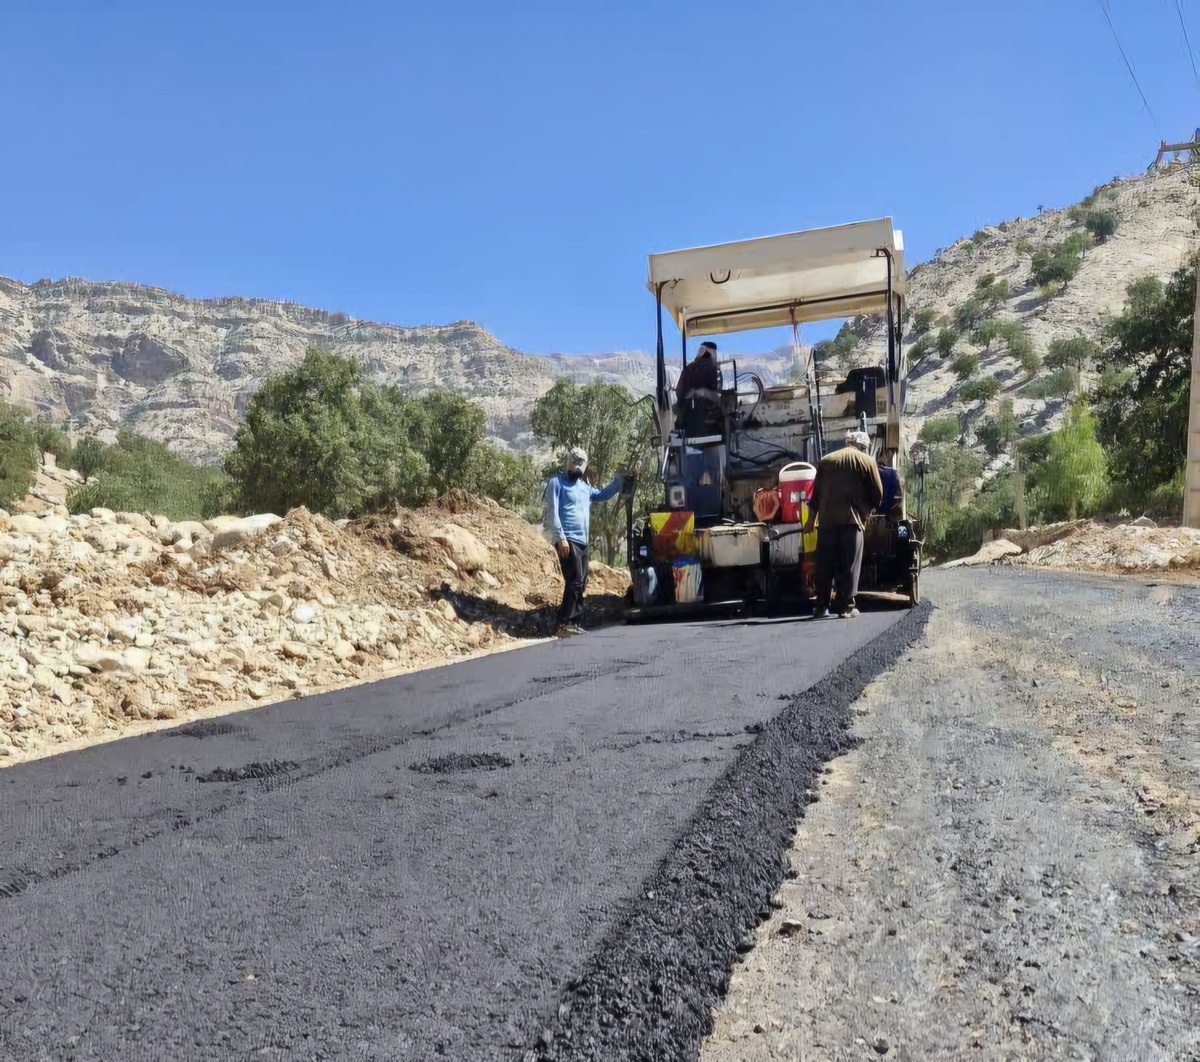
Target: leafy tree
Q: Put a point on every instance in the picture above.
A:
(945, 342)
(1006, 422)
(1029, 359)
(87, 458)
(922, 348)
(51, 439)
(1142, 397)
(1072, 480)
(322, 436)
(1076, 353)
(998, 434)
(971, 313)
(445, 429)
(839, 350)
(1060, 262)
(990, 291)
(987, 332)
(1101, 224)
(18, 454)
(965, 366)
(940, 430)
(952, 477)
(510, 479)
(983, 389)
(988, 434)
(923, 321)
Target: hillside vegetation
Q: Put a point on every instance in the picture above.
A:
(1050, 360)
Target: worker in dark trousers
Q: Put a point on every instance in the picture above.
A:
(844, 494)
(569, 500)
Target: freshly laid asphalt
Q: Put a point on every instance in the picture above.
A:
(435, 866)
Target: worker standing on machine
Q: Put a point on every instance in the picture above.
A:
(844, 494)
(569, 500)
(697, 391)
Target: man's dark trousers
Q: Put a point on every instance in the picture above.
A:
(839, 562)
(575, 575)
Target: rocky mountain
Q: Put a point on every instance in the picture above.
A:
(182, 370)
(1156, 219)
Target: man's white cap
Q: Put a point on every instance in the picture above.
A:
(859, 439)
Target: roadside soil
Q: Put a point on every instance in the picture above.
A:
(1007, 866)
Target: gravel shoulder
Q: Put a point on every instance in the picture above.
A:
(1006, 867)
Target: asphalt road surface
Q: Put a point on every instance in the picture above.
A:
(549, 853)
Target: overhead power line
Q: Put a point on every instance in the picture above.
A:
(1187, 40)
(1128, 64)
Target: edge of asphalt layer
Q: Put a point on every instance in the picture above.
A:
(647, 991)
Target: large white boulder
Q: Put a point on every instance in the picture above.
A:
(39, 527)
(231, 530)
(462, 547)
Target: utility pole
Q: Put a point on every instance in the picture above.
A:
(1191, 483)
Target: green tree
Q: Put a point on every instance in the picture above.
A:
(990, 291)
(998, 434)
(940, 430)
(969, 314)
(1059, 262)
(1101, 224)
(18, 454)
(446, 428)
(945, 342)
(965, 366)
(838, 351)
(1142, 396)
(510, 479)
(322, 436)
(1073, 477)
(987, 333)
(51, 439)
(983, 389)
(1076, 353)
(923, 321)
(87, 458)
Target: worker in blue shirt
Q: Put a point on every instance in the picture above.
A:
(569, 500)
(892, 505)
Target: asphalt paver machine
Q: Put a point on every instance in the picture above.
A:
(736, 463)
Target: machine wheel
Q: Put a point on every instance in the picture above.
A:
(914, 590)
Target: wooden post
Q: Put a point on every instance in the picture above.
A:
(1019, 489)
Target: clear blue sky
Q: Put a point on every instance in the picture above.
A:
(513, 163)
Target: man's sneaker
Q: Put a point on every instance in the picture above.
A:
(567, 630)
(850, 613)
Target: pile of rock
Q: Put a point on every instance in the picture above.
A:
(1089, 546)
(107, 618)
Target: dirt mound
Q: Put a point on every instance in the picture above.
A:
(109, 620)
(1090, 546)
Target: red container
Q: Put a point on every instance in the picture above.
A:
(795, 488)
